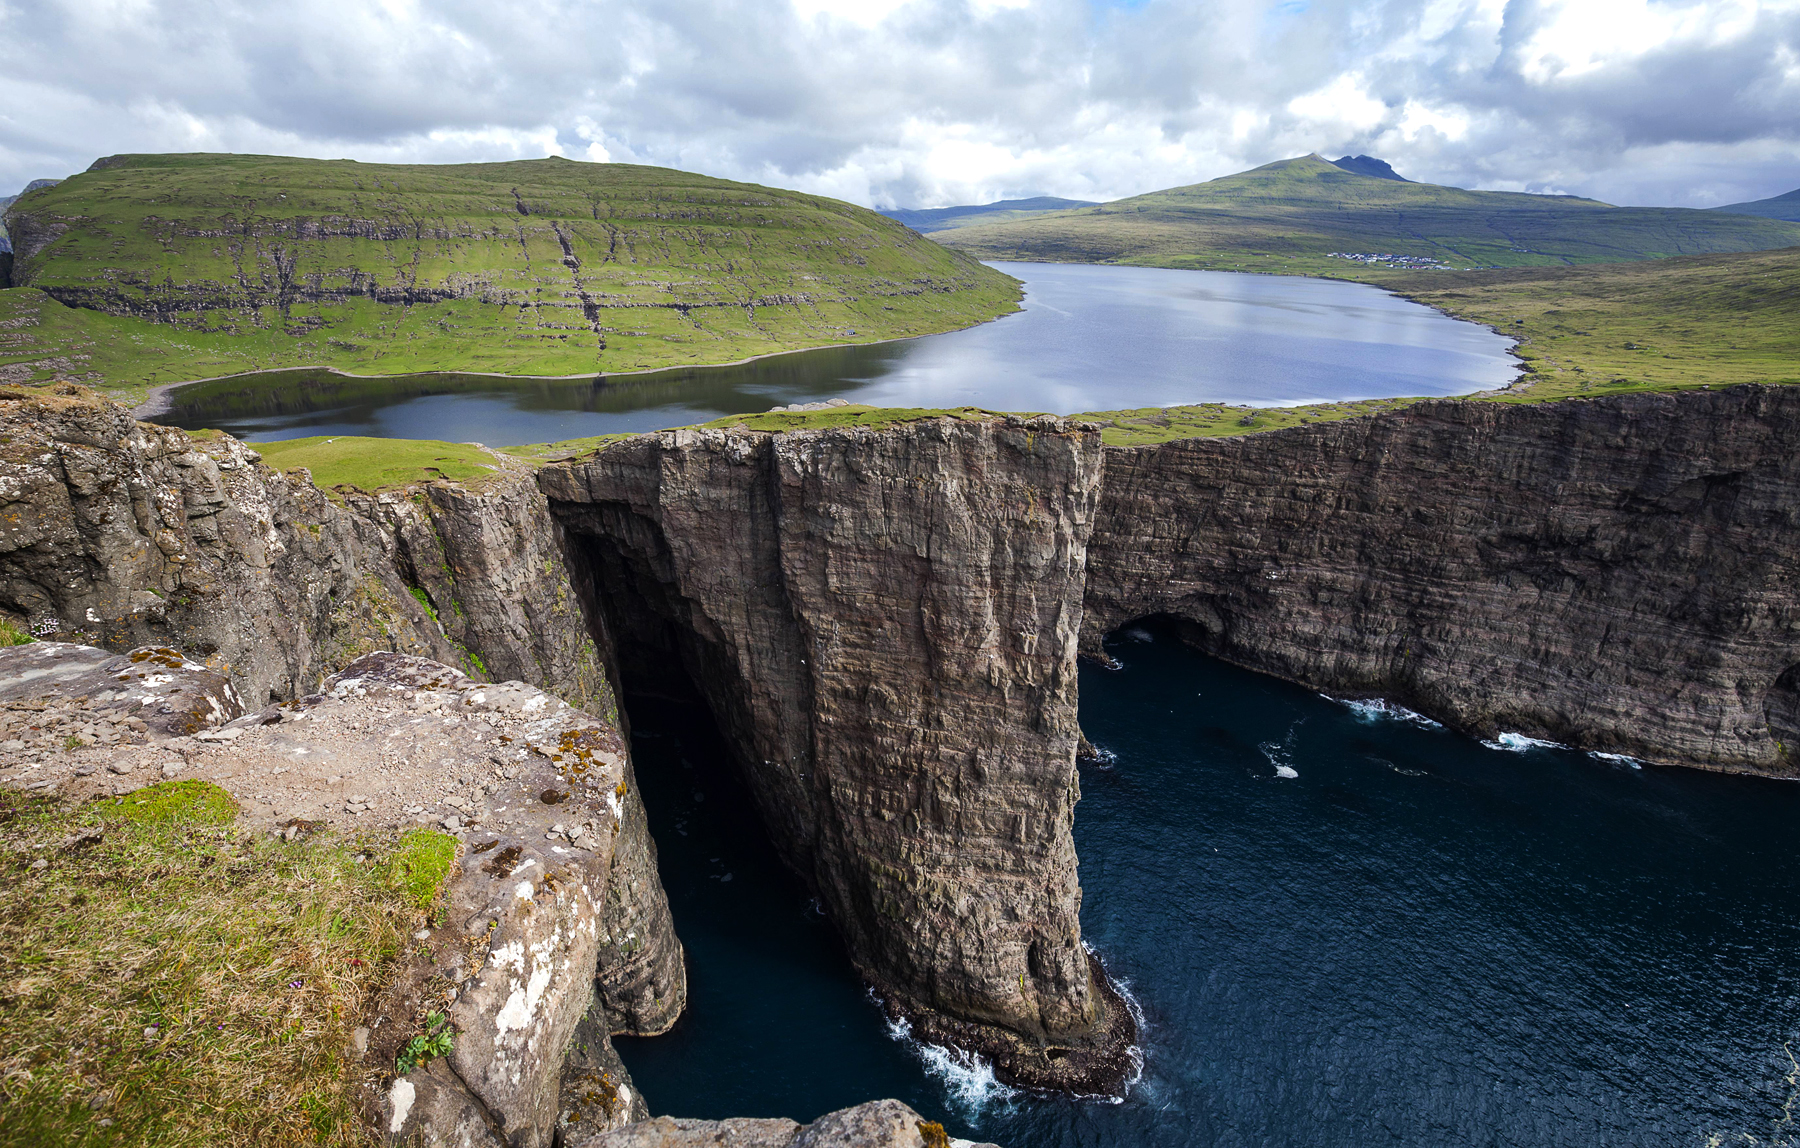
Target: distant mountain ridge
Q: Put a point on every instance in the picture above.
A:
(1775, 207)
(927, 220)
(1310, 215)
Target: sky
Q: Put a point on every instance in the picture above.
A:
(928, 103)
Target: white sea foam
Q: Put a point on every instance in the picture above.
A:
(1616, 759)
(1371, 710)
(1280, 754)
(967, 1078)
(1519, 743)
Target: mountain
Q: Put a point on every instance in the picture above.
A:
(228, 263)
(1370, 166)
(943, 218)
(1776, 207)
(1308, 215)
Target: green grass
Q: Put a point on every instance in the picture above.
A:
(421, 861)
(11, 635)
(1700, 321)
(1149, 425)
(169, 979)
(376, 464)
(1288, 217)
(544, 267)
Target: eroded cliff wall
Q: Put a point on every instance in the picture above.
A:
(885, 623)
(1617, 574)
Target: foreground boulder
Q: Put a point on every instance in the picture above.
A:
(534, 790)
(877, 1124)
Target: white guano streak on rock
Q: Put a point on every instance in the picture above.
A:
(400, 1097)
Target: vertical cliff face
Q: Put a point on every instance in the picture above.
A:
(1616, 574)
(885, 624)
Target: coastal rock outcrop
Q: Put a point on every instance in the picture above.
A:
(1617, 574)
(877, 1124)
(123, 534)
(885, 624)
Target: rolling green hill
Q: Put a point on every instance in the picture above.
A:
(931, 219)
(1775, 207)
(1292, 216)
(155, 268)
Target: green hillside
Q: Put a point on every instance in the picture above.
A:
(1775, 207)
(1291, 217)
(173, 267)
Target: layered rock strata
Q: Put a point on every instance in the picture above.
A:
(885, 624)
(122, 534)
(1616, 574)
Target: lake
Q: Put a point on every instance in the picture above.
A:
(1416, 939)
(1089, 339)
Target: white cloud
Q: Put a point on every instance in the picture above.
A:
(926, 102)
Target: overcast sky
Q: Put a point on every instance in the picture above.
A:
(923, 103)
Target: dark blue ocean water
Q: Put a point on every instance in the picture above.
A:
(1415, 939)
(1088, 339)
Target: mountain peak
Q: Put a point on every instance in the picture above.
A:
(1370, 166)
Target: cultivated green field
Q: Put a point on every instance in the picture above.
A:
(1289, 217)
(151, 269)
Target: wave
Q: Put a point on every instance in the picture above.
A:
(1370, 710)
(967, 1078)
(1519, 743)
(1616, 759)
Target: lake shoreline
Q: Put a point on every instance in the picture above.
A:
(157, 401)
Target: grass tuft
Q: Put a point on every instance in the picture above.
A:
(420, 863)
(167, 979)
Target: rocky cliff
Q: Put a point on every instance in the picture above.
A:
(1616, 574)
(257, 586)
(123, 534)
(885, 624)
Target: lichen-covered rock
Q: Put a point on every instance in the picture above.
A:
(877, 1124)
(166, 693)
(885, 623)
(1618, 574)
(514, 966)
(534, 789)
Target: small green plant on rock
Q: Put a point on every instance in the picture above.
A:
(437, 1040)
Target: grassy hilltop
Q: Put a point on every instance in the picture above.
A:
(1288, 217)
(156, 268)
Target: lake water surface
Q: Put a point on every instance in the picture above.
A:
(1416, 940)
(1089, 339)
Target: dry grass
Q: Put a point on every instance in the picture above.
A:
(168, 979)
